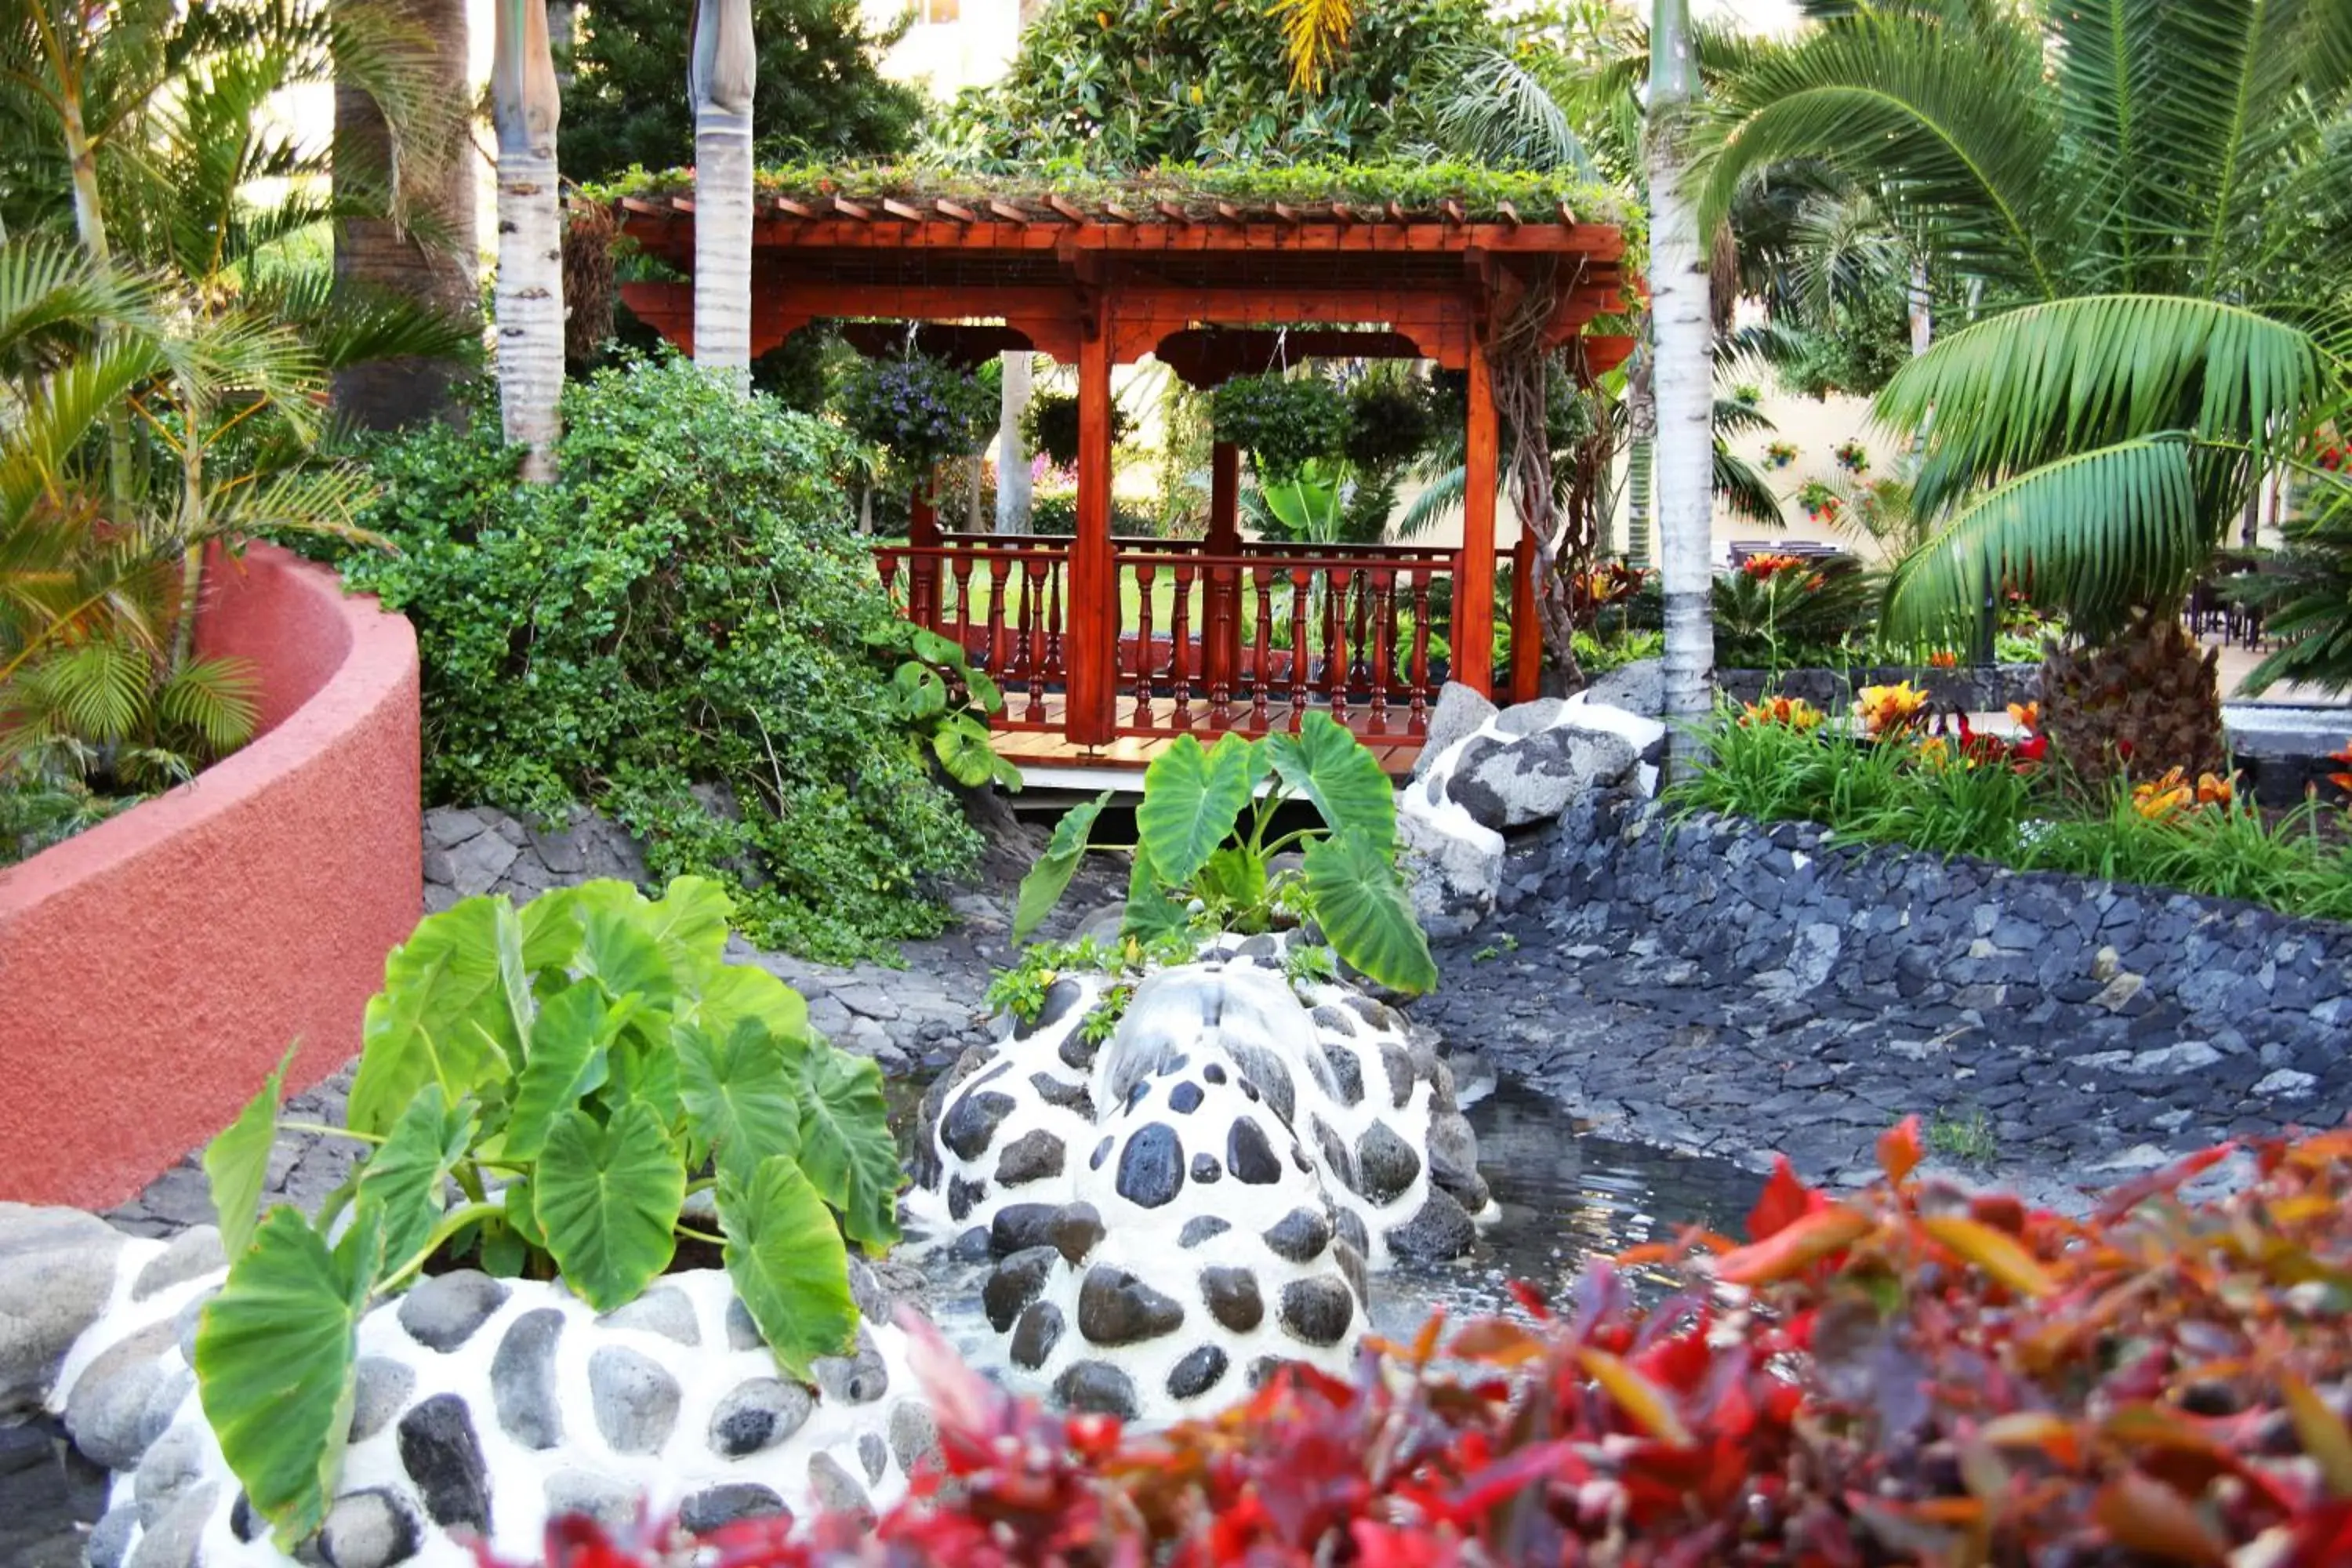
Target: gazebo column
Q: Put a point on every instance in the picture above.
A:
(1473, 631)
(1221, 619)
(1093, 637)
(923, 571)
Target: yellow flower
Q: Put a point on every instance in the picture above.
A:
(1793, 711)
(1883, 709)
(2158, 799)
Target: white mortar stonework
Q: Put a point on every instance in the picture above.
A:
(1138, 1195)
(864, 1430)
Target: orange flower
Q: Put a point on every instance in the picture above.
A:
(2158, 799)
(2026, 716)
(2211, 791)
(1883, 709)
(2342, 781)
(1793, 711)
(1762, 567)
(1943, 658)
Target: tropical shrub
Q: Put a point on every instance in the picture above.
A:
(1776, 611)
(1284, 422)
(1907, 1374)
(578, 1069)
(1203, 860)
(675, 633)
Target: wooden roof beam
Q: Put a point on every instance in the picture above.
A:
(1008, 211)
(791, 208)
(900, 209)
(850, 209)
(957, 211)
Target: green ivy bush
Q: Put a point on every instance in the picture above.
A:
(675, 633)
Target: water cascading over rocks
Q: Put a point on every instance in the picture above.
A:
(1202, 1195)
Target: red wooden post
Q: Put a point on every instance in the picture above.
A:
(1220, 612)
(1527, 632)
(1473, 633)
(923, 570)
(1094, 617)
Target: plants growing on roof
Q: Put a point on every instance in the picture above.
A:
(1206, 856)
(1284, 422)
(578, 1069)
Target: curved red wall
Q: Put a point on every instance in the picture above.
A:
(153, 968)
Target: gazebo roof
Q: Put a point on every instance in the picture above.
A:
(1166, 248)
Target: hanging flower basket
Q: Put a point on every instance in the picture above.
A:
(920, 410)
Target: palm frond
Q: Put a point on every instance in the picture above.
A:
(1497, 110)
(2095, 534)
(1745, 492)
(2028, 386)
(345, 324)
(216, 699)
(96, 690)
(1440, 498)
(1947, 122)
(1734, 417)
(1312, 32)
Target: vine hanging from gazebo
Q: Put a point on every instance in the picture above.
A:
(1520, 363)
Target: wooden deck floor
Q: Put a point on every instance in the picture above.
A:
(1396, 750)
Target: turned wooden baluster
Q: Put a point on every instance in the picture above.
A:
(1300, 577)
(1144, 573)
(993, 656)
(1417, 721)
(1334, 640)
(1032, 637)
(886, 565)
(1053, 566)
(1180, 662)
(960, 567)
(1383, 597)
(1260, 676)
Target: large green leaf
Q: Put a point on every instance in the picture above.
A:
(620, 953)
(688, 924)
(551, 930)
(404, 1176)
(962, 747)
(274, 1354)
(607, 1197)
(237, 1163)
(786, 1258)
(441, 1018)
(1191, 796)
(1337, 775)
(739, 1098)
(1150, 913)
(845, 1142)
(567, 1062)
(1042, 888)
(738, 991)
(514, 982)
(1361, 904)
(645, 1070)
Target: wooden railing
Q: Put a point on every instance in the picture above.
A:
(1247, 641)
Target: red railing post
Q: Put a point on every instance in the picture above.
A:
(1473, 631)
(1527, 632)
(1093, 591)
(1220, 612)
(922, 568)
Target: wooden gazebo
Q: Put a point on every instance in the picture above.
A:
(1252, 634)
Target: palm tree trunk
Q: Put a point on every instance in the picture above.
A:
(1013, 453)
(419, 244)
(524, 109)
(720, 81)
(1684, 376)
(1641, 455)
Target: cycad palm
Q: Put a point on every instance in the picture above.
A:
(2129, 190)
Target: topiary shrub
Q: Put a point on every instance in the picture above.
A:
(674, 632)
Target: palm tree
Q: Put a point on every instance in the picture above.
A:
(2146, 202)
(405, 201)
(1682, 330)
(720, 81)
(524, 109)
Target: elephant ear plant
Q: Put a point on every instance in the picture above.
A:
(1204, 860)
(543, 1092)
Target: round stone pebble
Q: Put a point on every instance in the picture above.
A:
(1096, 1387)
(444, 1309)
(708, 1509)
(1317, 1312)
(371, 1529)
(1033, 1338)
(758, 1413)
(1198, 1372)
(634, 1399)
(1232, 1298)
(1152, 1166)
(522, 1380)
(1115, 1308)
(1017, 1282)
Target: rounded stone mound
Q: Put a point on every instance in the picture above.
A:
(1202, 1195)
(482, 1408)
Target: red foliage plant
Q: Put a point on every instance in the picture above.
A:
(1906, 1374)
